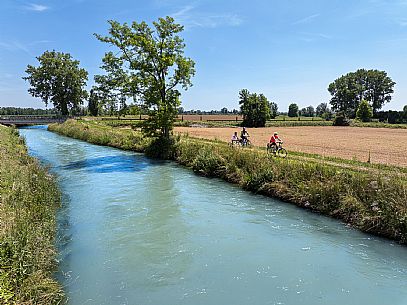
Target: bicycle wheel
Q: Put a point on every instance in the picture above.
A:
(282, 153)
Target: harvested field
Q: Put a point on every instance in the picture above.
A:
(386, 146)
(210, 117)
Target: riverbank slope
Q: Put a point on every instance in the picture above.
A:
(371, 200)
(29, 198)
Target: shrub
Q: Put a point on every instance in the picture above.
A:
(341, 119)
(364, 112)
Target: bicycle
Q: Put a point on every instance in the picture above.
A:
(245, 142)
(277, 150)
(235, 143)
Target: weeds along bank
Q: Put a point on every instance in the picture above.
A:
(29, 198)
(374, 202)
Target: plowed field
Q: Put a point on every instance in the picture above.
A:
(387, 146)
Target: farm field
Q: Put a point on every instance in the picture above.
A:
(386, 146)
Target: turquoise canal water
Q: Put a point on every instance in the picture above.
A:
(136, 231)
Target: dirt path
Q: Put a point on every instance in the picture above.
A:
(386, 146)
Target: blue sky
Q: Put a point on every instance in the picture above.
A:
(288, 50)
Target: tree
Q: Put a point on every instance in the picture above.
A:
(321, 109)
(273, 110)
(149, 67)
(310, 111)
(255, 108)
(93, 103)
(364, 112)
(371, 85)
(59, 80)
(224, 110)
(293, 110)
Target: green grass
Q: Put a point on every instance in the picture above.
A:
(29, 198)
(374, 201)
(355, 123)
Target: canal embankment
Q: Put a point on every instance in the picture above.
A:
(29, 199)
(373, 201)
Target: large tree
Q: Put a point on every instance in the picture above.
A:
(293, 110)
(149, 66)
(349, 90)
(255, 108)
(58, 79)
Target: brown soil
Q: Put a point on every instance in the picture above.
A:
(386, 146)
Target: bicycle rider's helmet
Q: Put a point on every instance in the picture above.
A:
(275, 133)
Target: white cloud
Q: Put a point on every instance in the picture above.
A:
(36, 7)
(188, 17)
(311, 37)
(306, 19)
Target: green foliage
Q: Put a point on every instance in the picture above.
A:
(273, 110)
(307, 111)
(364, 112)
(149, 67)
(293, 110)
(255, 109)
(349, 90)
(29, 198)
(321, 109)
(341, 119)
(93, 103)
(58, 79)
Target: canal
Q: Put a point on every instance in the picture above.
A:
(138, 231)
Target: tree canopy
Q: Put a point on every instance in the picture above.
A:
(293, 110)
(149, 66)
(58, 79)
(349, 90)
(255, 108)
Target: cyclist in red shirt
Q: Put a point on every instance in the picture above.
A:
(274, 140)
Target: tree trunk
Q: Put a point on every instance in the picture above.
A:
(64, 108)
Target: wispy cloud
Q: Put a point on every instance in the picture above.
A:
(36, 7)
(306, 19)
(16, 46)
(311, 37)
(188, 17)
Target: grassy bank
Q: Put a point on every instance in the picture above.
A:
(373, 201)
(29, 198)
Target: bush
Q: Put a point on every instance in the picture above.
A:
(341, 119)
(364, 112)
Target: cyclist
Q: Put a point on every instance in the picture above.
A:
(235, 138)
(274, 140)
(244, 136)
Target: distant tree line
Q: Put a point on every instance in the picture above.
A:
(26, 111)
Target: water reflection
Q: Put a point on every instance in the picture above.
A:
(108, 164)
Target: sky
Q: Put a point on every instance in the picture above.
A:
(288, 50)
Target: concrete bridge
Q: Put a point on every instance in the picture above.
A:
(25, 120)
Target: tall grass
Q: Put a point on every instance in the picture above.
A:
(373, 201)
(29, 198)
